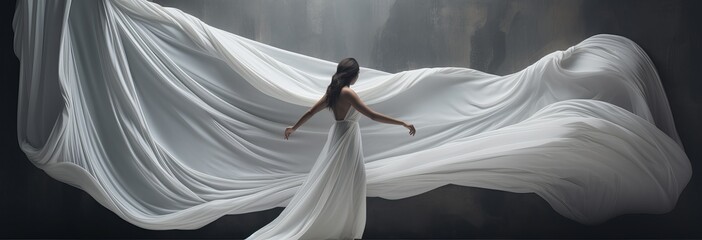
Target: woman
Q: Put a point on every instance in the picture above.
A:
(331, 203)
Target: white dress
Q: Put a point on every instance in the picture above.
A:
(331, 203)
(171, 123)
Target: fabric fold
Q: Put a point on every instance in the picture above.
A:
(171, 123)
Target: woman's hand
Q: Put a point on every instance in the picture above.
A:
(288, 131)
(410, 127)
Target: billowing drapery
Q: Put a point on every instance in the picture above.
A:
(171, 123)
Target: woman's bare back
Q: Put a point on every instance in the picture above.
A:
(347, 99)
(341, 109)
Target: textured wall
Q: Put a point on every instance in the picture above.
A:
(495, 36)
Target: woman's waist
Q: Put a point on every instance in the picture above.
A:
(347, 121)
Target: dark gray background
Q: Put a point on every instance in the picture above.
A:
(495, 36)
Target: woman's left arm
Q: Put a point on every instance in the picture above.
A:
(311, 112)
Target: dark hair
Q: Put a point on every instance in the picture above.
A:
(346, 71)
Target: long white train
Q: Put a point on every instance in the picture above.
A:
(171, 123)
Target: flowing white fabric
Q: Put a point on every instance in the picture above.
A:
(171, 123)
(331, 203)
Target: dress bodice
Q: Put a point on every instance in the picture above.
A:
(351, 115)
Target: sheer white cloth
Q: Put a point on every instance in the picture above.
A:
(331, 203)
(171, 123)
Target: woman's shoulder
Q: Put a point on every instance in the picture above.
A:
(347, 90)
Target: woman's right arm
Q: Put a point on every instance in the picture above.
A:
(359, 105)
